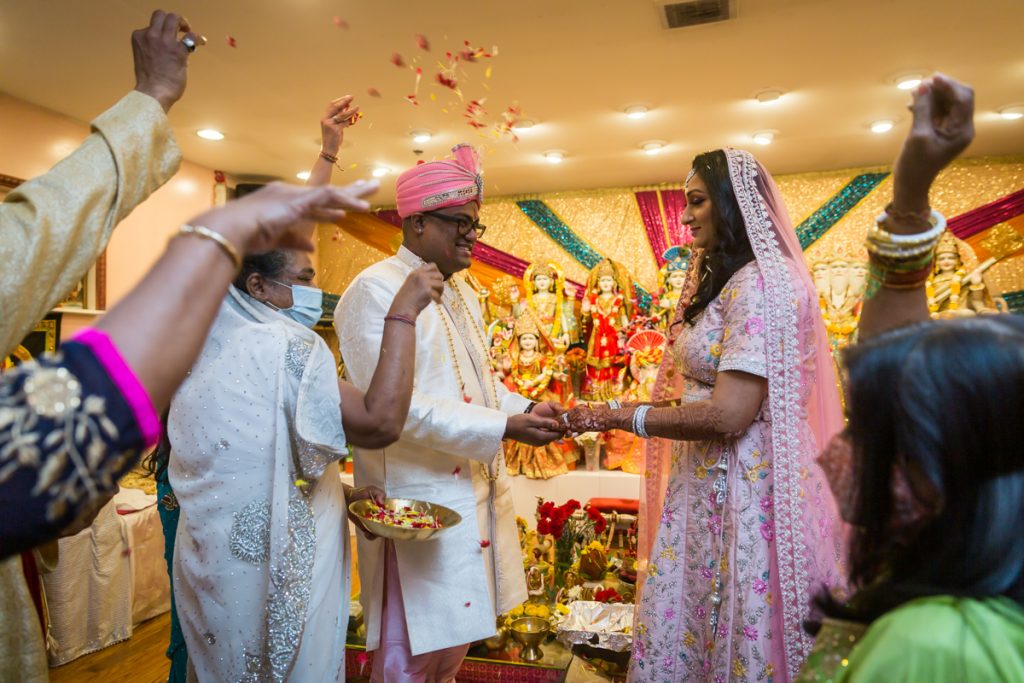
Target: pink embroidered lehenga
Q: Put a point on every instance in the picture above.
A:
(738, 534)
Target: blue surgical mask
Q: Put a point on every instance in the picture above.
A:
(307, 304)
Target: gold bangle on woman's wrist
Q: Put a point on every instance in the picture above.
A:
(221, 241)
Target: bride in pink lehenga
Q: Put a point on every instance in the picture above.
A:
(738, 528)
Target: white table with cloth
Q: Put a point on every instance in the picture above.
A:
(109, 578)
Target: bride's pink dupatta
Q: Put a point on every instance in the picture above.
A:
(802, 388)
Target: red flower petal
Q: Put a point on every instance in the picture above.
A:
(422, 42)
(457, 471)
(397, 60)
(485, 543)
(373, 92)
(466, 605)
(340, 23)
(232, 42)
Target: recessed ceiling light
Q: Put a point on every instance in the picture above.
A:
(421, 136)
(652, 147)
(523, 124)
(554, 156)
(1012, 112)
(210, 134)
(909, 80)
(768, 96)
(302, 175)
(637, 111)
(765, 137)
(880, 127)
(380, 171)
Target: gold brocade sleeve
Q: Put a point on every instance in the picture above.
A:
(54, 227)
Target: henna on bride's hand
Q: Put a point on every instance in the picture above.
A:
(693, 421)
(597, 418)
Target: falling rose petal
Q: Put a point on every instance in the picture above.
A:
(420, 162)
(340, 23)
(457, 471)
(447, 81)
(232, 42)
(485, 543)
(397, 60)
(422, 42)
(467, 604)
(373, 92)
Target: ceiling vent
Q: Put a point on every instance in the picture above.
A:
(695, 12)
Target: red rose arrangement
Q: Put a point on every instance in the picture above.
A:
(607, 595)
(555, 521)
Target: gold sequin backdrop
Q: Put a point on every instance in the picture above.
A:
(609, 221)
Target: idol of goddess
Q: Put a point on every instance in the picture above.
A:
(606, 311)
(671, 278)
(955, 266)
(532, 370)
(546, 301)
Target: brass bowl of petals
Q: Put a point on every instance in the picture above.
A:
(405, 519)
(530, 633)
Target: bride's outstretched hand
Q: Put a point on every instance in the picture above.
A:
(594, 418)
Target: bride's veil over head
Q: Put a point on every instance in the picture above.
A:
(802, 390)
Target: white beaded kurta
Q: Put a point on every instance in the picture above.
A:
(261, 570)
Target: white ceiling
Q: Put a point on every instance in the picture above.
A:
(572, 65)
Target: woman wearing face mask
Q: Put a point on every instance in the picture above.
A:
(261, 573)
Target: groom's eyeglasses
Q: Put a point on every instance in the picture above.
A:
(461, 223)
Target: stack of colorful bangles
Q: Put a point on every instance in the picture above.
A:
(898, 261)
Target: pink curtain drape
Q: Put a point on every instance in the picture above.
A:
(984, 217)
(673, 203)
(650, 212)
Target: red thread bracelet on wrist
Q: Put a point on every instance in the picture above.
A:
(400, 319)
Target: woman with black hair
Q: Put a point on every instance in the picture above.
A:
(738, 528)
(930, 469)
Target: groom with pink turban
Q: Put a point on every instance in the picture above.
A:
(425, 602)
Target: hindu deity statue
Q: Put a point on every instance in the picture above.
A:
(956, 266)
(548, 303)
(646, 348)
(533, 369)
(498, 309)
(671, 279)
(606, 311)
(841, 283)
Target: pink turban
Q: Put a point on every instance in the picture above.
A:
(439, 184)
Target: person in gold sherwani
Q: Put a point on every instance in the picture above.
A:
(54, 227)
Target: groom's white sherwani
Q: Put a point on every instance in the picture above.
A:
(449, 453)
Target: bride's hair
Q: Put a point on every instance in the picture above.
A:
(732, 248)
